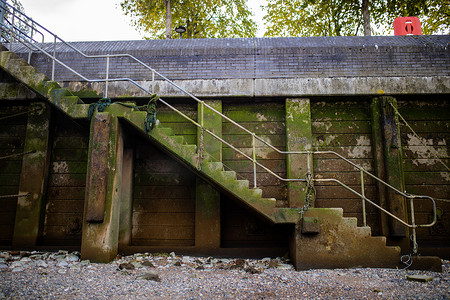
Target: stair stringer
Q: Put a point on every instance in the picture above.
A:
(213, 172)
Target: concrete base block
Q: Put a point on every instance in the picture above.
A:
(339, 244)
(426, 263)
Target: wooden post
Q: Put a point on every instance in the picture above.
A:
(207, 203)
(298, 138)
(126, 199)
(33, 177)
(378, 152)
(393, 165)
(103, 189)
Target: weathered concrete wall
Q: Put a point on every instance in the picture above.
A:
(358, 66)
(265, 67)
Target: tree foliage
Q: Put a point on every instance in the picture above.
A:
(202, 19)
(312, 18)
(433, 14)
(345, 17)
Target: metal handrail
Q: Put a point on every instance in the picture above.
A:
(255, 138)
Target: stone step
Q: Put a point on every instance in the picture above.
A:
(340, 244)
(214, 166)
(163, 130)
(60, 93)
(365, 230)
(229, 175)
(351, 221)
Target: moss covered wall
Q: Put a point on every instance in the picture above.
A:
(12, 141)
(267, 120)
(343, 127)
(66, 185)
(163, 200)
(177, 123)
(424, 174)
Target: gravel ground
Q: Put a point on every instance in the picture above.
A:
(61, 275)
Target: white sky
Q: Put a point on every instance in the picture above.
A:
(95, 20)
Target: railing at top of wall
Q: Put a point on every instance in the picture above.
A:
(19, 27)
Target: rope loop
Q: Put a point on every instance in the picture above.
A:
(150, 119)
(201, 148)
(310, 191)
(99, 106)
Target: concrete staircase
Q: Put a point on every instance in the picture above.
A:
(210, 170)
(324, 238)
(330, 240)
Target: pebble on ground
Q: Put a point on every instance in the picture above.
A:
(61, 275)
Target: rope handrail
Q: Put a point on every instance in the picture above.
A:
(28, 44)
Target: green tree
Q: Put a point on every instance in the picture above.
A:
(312, 17)
(202, 19)
(433, 14)
(21, 24)
(351, 17)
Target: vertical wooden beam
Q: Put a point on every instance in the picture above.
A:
(393, 165)
(378, 156)
(126, 199)
(207, 200)
(298, 138)
(103, 189)
(207, 216)
(33, 177)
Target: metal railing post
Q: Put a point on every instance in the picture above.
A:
(153, 81)
(31, 40)
(308, 161)
(54, 57)
(201, 114)
(11, 31)
(2, 15)
(254, 160)
(107, 76)
(363, 197)
(413, 227)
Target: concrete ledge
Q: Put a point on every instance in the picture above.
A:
(283, 87)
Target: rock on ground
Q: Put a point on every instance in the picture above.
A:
(61, 275)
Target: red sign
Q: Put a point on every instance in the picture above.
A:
(407, 26)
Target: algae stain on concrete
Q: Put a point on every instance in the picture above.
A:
(423, 149)
(60, 167)
(360, 150)
(445, 175)
(261, 117)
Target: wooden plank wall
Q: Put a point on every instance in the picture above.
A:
(424, 174)
(12, 141)
(177, 123)
(267, 120)
(344, 127)
(163, 200)
(66, 185)
(243, 228)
